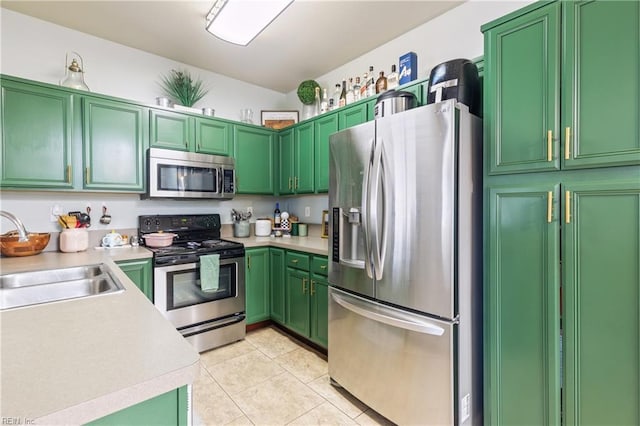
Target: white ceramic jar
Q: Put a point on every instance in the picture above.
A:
(74, 240)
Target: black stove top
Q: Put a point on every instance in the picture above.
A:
(196, 235)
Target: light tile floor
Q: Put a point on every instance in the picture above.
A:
(272, 379)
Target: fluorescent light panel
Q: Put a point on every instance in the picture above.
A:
(240, 21)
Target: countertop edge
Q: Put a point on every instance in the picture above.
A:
(312, 245)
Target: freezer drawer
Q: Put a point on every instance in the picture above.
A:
(398, 363)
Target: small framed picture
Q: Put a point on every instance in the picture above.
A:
(325, 224)
(278, 119)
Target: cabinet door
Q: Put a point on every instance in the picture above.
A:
(37, 135)
(601, 248)
(213, 136)
(304, 165)
(139, 271)
(114, 144)
(298, 301)
(324, 127)
(601, 120)
(170, 130)
(521, 340)
(352, 116)
(277, 285)
(319, 310)
(254, 153)
(286, 162)
(257, 285)
(522, 93)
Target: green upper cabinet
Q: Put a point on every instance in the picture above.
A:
(522, 328)
(173, 130)
(353, 115)
(543, 114)
(601, 288)
(324, 127)
(170, 130)
(37, 135)
(296, 168)
(600, 122)
(115, 135)
(257, 284)
(521, 94)
(286, 169)
(254, 151)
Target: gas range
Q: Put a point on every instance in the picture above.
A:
(196, 235)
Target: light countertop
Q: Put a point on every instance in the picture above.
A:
(313, 245)
(78, 360)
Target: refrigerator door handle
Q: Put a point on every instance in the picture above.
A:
(388, 316)
(378, 250)
(366, 220)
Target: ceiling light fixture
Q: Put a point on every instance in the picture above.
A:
(240, 21)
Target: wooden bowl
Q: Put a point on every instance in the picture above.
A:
(10, 246)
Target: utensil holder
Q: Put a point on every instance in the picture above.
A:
(241, 229)
(74, 240)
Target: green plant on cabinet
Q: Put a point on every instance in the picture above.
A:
(254, 151)
(257, 279)
(115, 136)
(36, 153)
(140, 272)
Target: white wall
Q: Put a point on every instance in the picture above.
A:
(34, 49)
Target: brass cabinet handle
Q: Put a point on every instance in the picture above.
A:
(549, 145)
(248, 262)
(294, 260)
(312, 283)
(567, 202)
(186, 144)
(198, 146)
(86, 174)
(69, 174)
(323, 266)
(295, 182)
(567, 143)
(289, 182)
(304, 285)
(549, 206)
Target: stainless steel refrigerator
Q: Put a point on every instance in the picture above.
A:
(405, 294)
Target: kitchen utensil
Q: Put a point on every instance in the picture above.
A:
(74, 240)
(112, 239)
(63, 222)
(159, 239)
(10, 246)
(134, 240)
(105, 219)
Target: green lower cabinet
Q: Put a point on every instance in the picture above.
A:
(168, 409)
(257, 279)
(297, 296)
(278, 279)
(140, 272)
(319, 314)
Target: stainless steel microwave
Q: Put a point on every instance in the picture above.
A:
(178, 174)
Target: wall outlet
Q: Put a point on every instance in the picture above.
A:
(55, 211)
(307, 211)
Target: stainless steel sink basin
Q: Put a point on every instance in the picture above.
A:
(31, 288)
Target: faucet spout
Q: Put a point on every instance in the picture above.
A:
(22, 231)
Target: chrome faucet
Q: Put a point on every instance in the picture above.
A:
(22, 231)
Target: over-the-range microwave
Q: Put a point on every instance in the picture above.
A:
(178, 174)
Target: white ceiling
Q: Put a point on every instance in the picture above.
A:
(309, 39)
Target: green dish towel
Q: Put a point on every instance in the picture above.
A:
(209, 272)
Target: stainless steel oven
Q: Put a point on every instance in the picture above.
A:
(209, 317)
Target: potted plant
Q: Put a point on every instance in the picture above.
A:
(307, 95)
(181, 88)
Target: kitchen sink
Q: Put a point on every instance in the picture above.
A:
(51, 285)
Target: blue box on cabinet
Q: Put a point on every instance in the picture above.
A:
(408, 67)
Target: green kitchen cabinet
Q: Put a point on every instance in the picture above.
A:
(174, 130)
(115, 136)
(319, 298)
(296, 160)
(278, 285)
(541, 114)
(168, 409)
(257, 279)
(37, 136)
(353, 115)
(601, 289)
(254, 151)
(297, 296)
(324, 127)
(522, 383)
(140, 272)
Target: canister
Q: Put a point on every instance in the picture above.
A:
(302, 229)
(73, 240)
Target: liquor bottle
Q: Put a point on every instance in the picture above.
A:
(392, 79)
(350, 98)
(336, 96)
(316, 102)
(343, 94)
(363, 87)
(371, 83)
(331, 105)
(381, 83)
(324, 104)
(356, 90)
(276, 216)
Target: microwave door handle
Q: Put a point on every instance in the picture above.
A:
(220, 172)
